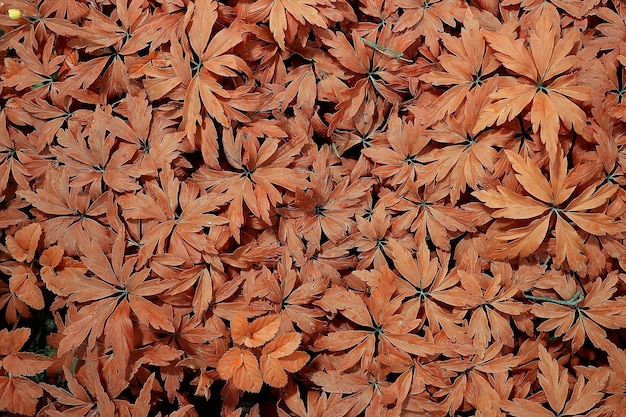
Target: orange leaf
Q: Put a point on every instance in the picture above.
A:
(248, 377)
(254, 334)
(204, 293)
(274, 368)
(19, 395)
(243, 367)
(280, 356)
(531, 178)
(23, 245)
(553, 382)
(585, 396)
(12, 341)
(273, 373)
(204, 17)
(51, 257)
(25, 363)
(295, 361)
(23, 283)
(283, 345)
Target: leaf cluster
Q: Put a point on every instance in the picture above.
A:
(313, 207)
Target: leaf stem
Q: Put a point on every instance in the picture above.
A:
(386, 51)
(573, 301)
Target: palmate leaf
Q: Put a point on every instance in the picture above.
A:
(279, 357)
(18, 394)
(178, 233)
(401, 161)
(34, 69)
(303, 12)
(203, 82)
(355, 58)
(379, 68)
(115, 290)
(254, 334)
(155, 139)
(588, 318)
(329, 204)
(94, 158)
(382, 321)
(262, 162)
(546, 81)
(423, 274)
(242, 366)
(465, 159)
(66, 213)
(550, 205)
(429, 17)
(554, 381)
(486, 324)
(466, 64)
(295, 291)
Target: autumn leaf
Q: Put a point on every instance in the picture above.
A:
(549, 202)
(35, 69)
(299, 11)
(13, 155)
(279, 356)
(67, 213)
(18, 394)
(23, 283)
(372, 68)
(426, 212)
(467, 63)
(429, 17)
(380, 323)
(401, 161)
(422, 274)
(167, 230)
(256, 333)
(554, 381)
(202, 75)
(243, 367)
(154, 139)
(23, 244)
(114, 290)
(313, 208)
(546, 80)
(329, 204)
(586, 317)
(95, 158)
(261, 166)
(315, 402)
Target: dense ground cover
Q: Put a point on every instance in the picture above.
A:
(313, 208)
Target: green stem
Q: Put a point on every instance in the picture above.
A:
(386, 51)
(573, 301)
